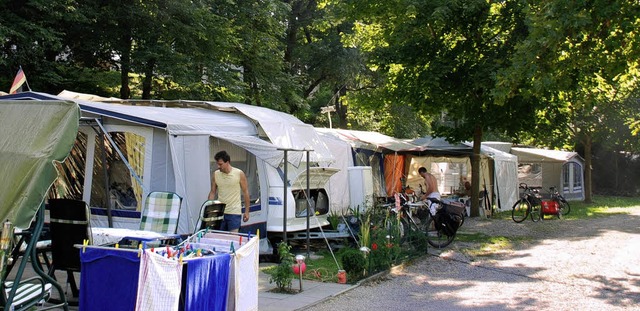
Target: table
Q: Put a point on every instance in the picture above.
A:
(109, 236)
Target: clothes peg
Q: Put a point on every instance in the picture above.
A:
(117, 245)
(85, 242)
(232, 249)
(139, 250)
(240, 241)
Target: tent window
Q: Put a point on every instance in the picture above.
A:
(124, 191)
(71, 171)
(530, 173)
(571, 177)
(449, 175)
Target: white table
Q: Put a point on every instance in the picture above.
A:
(106, 236)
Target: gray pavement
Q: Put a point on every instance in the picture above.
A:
(313, 292)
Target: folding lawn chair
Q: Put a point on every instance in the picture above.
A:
(161, 212)
(211, 215)
(69, 225)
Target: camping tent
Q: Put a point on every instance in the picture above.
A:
(451, 164)
(546, 168)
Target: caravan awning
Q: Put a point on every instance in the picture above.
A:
(283, 130)
(194, 121)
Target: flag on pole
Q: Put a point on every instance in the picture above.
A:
(19, 80)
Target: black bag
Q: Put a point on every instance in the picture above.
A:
(449, 219)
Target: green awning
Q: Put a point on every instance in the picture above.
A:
(33, 134)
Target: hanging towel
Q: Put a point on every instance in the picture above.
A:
(244, 278)
(109, 279)
(207, 283)
(159, 283)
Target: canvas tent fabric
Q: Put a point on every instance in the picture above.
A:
(393, 172)
(34, 135)
(338, 185)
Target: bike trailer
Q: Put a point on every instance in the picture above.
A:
(550, 207)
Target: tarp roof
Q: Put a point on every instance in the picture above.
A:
(34, 135)
(371, 140)
(541, 155)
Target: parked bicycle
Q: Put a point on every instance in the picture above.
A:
(440, 227)
(529, 204)
(565, 208)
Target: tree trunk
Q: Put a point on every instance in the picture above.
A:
(148, 79)
(475, 172)
(587, 169)
(125, 68)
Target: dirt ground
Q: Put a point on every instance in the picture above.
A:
(588, 264)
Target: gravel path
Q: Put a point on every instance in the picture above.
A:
(589, 264)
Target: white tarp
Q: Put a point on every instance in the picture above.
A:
(338, 185)
(284, 130)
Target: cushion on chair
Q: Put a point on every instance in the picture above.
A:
(161, 212)
(26, 292)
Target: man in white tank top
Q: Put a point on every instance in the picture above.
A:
(229, 183)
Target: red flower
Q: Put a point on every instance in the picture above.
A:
(374, 246)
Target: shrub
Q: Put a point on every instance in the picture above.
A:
(354, 263)
(283, 274)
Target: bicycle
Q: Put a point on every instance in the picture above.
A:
(563, 205)
(529, 204)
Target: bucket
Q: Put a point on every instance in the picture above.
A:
(342, 276)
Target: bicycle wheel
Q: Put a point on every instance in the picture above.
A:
(536, 212)
(520, 210)
(564, 206)
(435, 237)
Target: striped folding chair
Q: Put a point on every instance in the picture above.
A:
(211, 215)
(161, 212)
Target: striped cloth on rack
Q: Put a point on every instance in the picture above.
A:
(159, 283)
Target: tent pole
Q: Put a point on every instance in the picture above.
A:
(284, 204)
(307, 195)
(103, 155)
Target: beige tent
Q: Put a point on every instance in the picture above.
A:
(551, 168)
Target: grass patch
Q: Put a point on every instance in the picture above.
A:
(601, 206)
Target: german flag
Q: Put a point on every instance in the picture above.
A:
(19, 80)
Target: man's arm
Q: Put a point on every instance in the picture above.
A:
(245, 195)
(214, 187)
